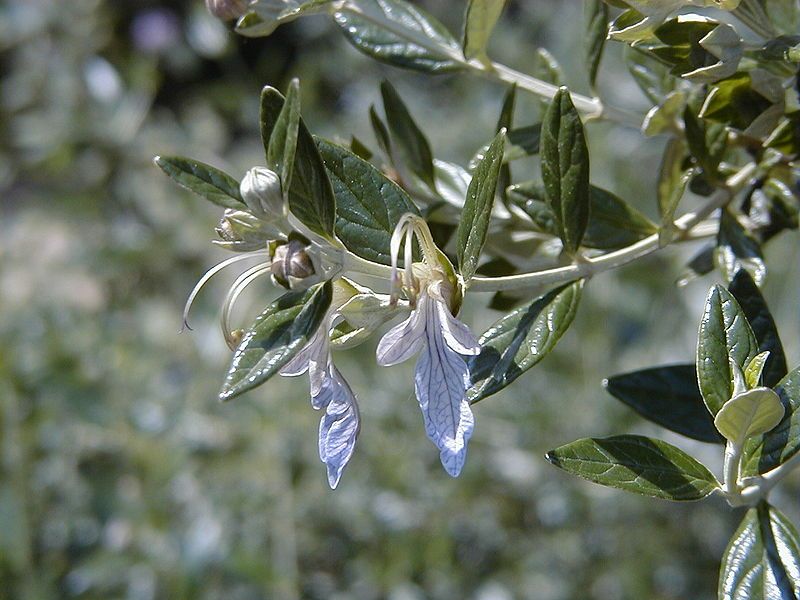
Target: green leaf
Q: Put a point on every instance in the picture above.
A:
(546, 68)
(652, 76)
(737, 250)
(479, 22)
(758, 315)
(311, 197)
(202, 179)
(381, 132)
(724, 335)
(475, 217)
(749, 414)
(755, 369)
(762, 561)
(282, 142)
(275, 337)
(506, 121)
(267, 15)
(672, 182)
(408, 139)
(521, 339)
(783, 442)
(613, 223)
(565, 169)
(596, 34)
(668, 396)
(368, 204)
(401, 34)
(636, 464)
(707, 143)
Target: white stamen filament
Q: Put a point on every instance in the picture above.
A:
(207, 277)
(244, 280)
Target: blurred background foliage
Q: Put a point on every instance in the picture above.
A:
(122, 477)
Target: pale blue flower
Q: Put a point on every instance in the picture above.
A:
(442, 377)
(340, 425)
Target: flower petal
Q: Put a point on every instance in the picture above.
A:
(402, 341)
(314, 358)
(456, 334)
(339, 427)
(441, 381)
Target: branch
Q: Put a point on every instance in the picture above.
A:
(618, 258)
(592, 107)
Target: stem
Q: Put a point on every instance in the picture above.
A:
(764, 483)
(617, 258)
(592, 107)
(733, 461)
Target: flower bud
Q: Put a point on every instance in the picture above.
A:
(292, 264)
(240, 231)
(227, 10)
(261, 191)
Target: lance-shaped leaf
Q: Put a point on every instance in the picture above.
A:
(266, 16)
(668, 396)
(202, 179)
(758, 315)
(399, 33)
(724, 336)
(368, 204)
(749, 414)
(596, 34)
(407, 138)
(783, 442)
(275, 337)
(565, 169)
(521, 339)
(474, 222)
(707, 142)
(479, 22)
(506, 121)
(652, 75)
(636, 464)
(311, 197)
(613, 223)
(762, 561)
(672, 181)
(545, 67)
(282, 142)
(737, 249)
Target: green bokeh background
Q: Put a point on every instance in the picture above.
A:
(123, 477)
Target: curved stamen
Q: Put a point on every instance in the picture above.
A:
(207, 277)
(245, 279)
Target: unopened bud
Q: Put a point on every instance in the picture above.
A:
(292, 264)
(242, 232)
(227, 10)
(261, 191)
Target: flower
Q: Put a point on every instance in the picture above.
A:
(341, 423)
(441, 376)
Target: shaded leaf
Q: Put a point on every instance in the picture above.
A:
(407, 138)
(275, 337)
(737, 250)
(596, 34)
(479, 22)
(565, 169)
(613, 223)
(282, 142)
(762, 561)
(783, 442)
(311, 197)
(401, 34)
(368, 204)
(477, 212)
(636, 464)
(202, 179)
(668, 396)
(521, 339)
(758, 315)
